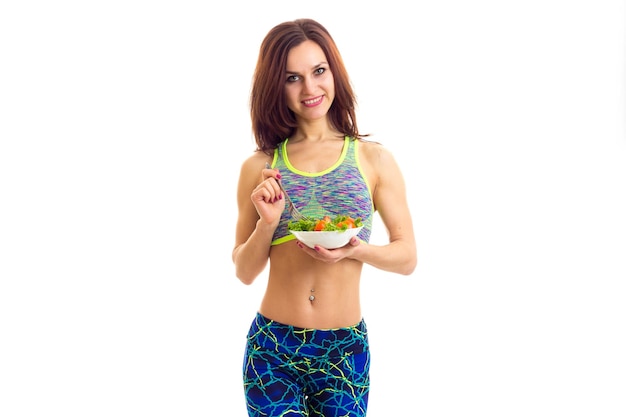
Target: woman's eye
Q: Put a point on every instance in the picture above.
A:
(320, 71)
(292, 78)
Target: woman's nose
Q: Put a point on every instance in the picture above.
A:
(309, 85)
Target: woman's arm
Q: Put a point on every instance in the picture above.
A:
(389, 196)
(260, 205)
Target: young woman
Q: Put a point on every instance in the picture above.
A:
(307, 351)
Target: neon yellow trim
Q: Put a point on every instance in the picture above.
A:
(367, 183)
(344, 152)
(283, 239)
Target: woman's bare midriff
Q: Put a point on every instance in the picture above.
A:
(305, 292)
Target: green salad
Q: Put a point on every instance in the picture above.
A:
(325, 224)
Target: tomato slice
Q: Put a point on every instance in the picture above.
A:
(348, 223)
(319, 225)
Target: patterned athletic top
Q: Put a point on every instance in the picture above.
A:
(339, 190)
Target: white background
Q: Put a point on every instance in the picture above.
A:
(123, 125)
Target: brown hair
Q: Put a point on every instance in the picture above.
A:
(272, 120)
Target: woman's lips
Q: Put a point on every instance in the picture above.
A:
(313, 101)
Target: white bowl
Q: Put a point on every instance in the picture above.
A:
(328, 240)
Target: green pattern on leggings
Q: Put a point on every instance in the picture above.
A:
(292, 371)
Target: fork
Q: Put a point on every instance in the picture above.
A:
(293, 210)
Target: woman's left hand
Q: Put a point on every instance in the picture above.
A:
(331, 256)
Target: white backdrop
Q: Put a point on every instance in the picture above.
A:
(123, 126)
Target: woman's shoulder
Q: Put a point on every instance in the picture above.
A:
(374, 152)
(256, 160)
(250, 169)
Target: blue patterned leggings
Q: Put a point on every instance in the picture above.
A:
(293, 371)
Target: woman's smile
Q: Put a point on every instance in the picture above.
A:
(313, 101)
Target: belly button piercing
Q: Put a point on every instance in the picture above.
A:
(312, 297)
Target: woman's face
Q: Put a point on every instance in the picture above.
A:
(310, 86)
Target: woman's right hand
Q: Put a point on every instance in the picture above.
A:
(268, 198)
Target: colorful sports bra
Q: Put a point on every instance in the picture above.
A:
(339, 190)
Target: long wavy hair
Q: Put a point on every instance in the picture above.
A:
(272, 120)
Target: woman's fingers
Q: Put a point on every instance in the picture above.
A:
(268, 191)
